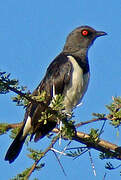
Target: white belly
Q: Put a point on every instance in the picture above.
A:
(77, 86)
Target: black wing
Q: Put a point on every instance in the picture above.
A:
(58, 74)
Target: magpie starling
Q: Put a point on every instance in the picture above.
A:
(69, 75)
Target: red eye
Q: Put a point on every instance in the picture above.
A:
(84, 32)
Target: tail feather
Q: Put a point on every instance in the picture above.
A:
(15, 147)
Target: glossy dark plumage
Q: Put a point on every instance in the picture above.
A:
(69, 74)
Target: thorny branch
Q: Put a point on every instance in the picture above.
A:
(43, 154)
(101, 145)
(81, 137)
(15, 90)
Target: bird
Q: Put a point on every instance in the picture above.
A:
(68, 74)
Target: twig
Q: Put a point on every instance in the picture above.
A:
(59, 163)
(101, 130)
(90, 121)
(43, 154)
(80, 147)
(7, 127)
(28, 97)
(15, 90)
(14, 125)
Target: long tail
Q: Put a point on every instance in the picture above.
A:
(15, 147)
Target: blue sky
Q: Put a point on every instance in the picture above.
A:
(32, 33)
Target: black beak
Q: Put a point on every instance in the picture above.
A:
(100, 33)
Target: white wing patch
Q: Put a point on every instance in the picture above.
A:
(77, 86)
(27, 127)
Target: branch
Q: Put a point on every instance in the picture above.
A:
(12, 85)
(15, 90)
(81, 137)
(101, 145)
(90, 121)
(14, 125)
(43, 154)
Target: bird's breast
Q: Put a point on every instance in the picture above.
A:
(77, 86)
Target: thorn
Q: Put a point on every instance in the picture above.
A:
(55, 150)
(91, 160)
(60, 132)
(65, 148)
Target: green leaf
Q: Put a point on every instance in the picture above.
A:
(99, 115)
(22, 176)
(94, 135)
(35, 154)
(14, 132)
(3, 128)
(115, 112)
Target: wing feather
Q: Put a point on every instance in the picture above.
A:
(58, 74)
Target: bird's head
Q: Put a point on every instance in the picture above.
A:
(81, 39)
